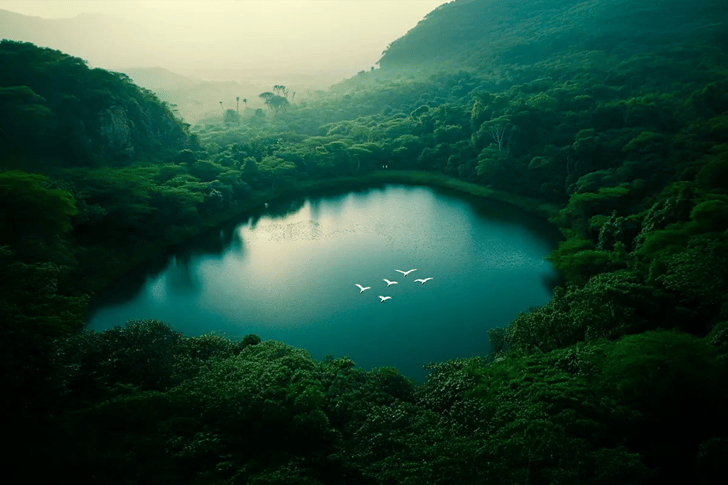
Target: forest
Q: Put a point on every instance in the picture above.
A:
(582, 112)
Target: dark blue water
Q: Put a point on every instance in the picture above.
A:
(289, 274)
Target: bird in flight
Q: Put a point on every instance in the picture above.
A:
(362, 288)
(405, 273)
(390, 283)
(383, 298)
(423, 281)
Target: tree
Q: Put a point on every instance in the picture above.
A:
(231, 116)
(274, 168)
(33, 216)
(281, 90)
(278, 103)
(266, 96)
(501, 130)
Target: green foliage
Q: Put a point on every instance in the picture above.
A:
(582, 206)
(549, 422)
(577, 259)
(608, 306)
(714, 174)
(711, 215)
(664, 375)
(34, 217)
(24, 116)
(718, 337)
(205, 170)
(695, 277)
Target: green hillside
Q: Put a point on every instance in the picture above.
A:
(56, 111)
(495, 35)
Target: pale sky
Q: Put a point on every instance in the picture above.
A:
(304, 35)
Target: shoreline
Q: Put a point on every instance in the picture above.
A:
(156, 248)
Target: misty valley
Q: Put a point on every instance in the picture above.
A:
(498, 256)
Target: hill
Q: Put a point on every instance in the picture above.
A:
(489, 35)
(56, 110)
(159, 79)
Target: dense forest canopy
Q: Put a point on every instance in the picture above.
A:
(608, 117)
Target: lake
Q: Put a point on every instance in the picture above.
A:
(288, 273)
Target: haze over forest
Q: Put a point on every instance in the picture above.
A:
(192, 53)
(220, 38)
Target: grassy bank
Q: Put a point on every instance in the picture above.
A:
(434, 179)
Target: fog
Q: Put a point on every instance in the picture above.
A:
(217, 36)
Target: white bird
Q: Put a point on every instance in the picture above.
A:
(389, 283)
(423, 281)
(383, 298)
(405, 273)
(362, 288)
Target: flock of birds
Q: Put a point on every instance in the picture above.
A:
(362, 289)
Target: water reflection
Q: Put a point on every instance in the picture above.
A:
(181, 277)
(281, 208)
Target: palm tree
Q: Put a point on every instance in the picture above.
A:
(237, 105)
(221, 106)
(245, 100)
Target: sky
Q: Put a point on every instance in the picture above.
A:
(300, 35)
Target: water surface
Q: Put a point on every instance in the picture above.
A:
(289, 273)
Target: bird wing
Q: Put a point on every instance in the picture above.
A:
(360, 286)
(400, 271)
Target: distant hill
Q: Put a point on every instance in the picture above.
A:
(159, 78)
(102, 40)
(194, 99)
(489, 34)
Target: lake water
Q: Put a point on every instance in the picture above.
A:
(289, 272)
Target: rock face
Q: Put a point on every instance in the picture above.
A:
(123, 132)
(114, 128)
